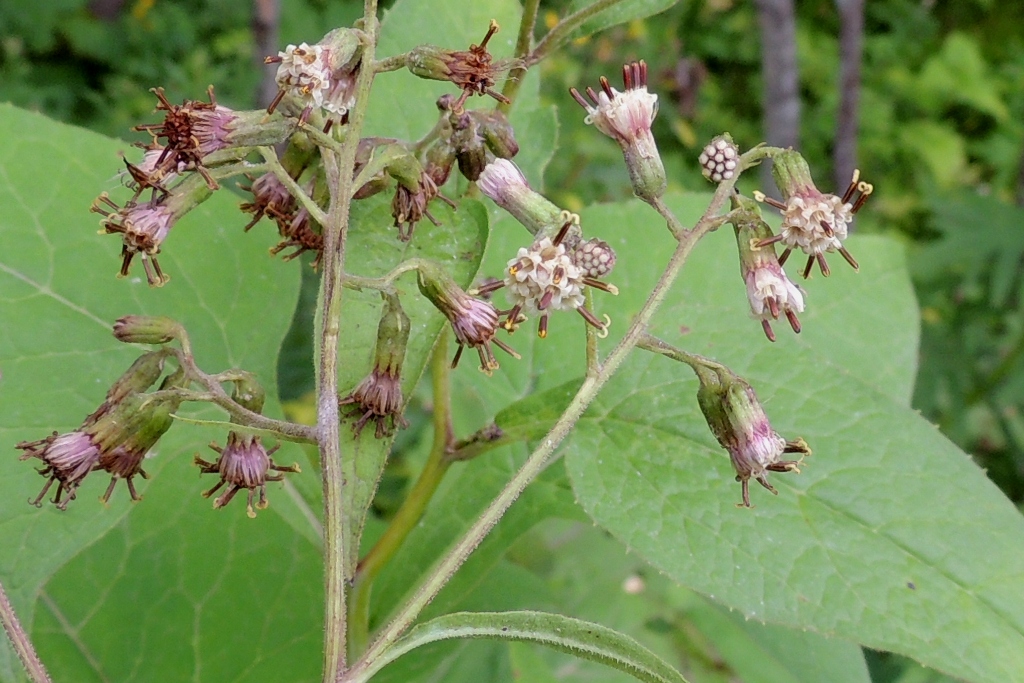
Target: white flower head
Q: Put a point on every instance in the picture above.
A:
(543, 278)
(815, 223)
(304, 71)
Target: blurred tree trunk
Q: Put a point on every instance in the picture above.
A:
(851, 45)
(777, 21)
(265, 20)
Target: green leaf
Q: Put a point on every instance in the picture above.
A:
(617, 13)
(888, 525)
(59, 299)
(565, 634)
(457, 244)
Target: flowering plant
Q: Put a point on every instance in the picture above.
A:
(620, 381)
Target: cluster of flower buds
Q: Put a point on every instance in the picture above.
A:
(379, 396)
(738, 421)
(812, 221)
(627, 117)
(719, 159)
(115, 438)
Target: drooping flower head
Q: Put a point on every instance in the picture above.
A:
(270, 197)
(474, 321)
(626, 117)
(67, 459)
(812, 221)
(770, 292)
(243, 463)
(379, 396)
(740, 425)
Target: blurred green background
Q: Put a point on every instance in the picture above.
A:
(941, 137)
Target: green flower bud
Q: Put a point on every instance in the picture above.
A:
(248, 392)
(147, 329)
(740, 425)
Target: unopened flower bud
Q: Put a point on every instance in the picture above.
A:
(506, 185)
(143, 373)
(470, 149)
(379, 396)
(740, 425)
(769, 291)
(438, 160)
(813, 222)
(626, 117)
(248, 392)
(147, 329)
(474, 321)
(243, 463)
(594, 257)
(720, 159)
(497, 132)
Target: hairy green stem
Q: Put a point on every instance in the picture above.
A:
(21, 642)
(543, 455)
(391, 63)
(385, 283)
(523, 44)
(308, 203)
(700, 365)
(338, 530)
(414, 505)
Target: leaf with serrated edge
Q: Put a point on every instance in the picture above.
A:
(890, 537)
(565, 634)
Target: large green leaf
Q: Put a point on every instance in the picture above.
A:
(618, 13)
(890, 537)
(565, 634)
(59, 298)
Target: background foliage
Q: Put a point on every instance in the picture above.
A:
(941, 139)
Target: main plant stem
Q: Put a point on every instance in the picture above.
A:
(21, 642)
(541, 457)
(339, 167)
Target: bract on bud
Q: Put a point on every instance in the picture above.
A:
(243, 463)
(506, 185)
(497, 132)
(468, 140)
(812, 221)
(147, 329)
(626, 117)
(769, 291)
(740, 425)
(474, 321)
(379, 396)
(127, 433)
